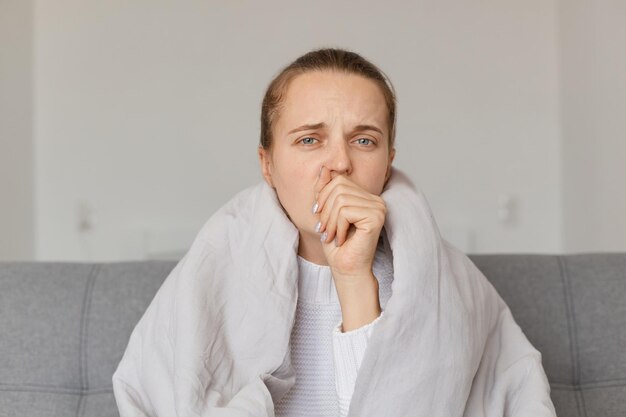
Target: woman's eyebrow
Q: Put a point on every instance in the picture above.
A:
(323, 125)
(307, 127)
(368, 127)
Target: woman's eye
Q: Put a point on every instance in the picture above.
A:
(308, 141)
(364, 141)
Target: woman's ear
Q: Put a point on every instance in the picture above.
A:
(265, 159)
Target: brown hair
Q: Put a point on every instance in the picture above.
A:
(319, 60)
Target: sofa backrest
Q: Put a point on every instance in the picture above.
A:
(572, 308)
(64, 328)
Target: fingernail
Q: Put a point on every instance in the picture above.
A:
(318, 226)
(315, 207)
(323, 237)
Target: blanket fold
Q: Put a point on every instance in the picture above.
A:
(214, 341)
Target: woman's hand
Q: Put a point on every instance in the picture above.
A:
(350, 223)
(351, 220)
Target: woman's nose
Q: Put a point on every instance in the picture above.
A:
(339, 158)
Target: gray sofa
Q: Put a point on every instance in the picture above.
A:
(64, 327)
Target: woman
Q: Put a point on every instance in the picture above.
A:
(284, 305)
(327, 153)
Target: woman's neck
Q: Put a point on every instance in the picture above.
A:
(310, 248)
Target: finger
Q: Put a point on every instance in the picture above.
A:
(327, 201)
(358, 219)
(338, 229)
(344, 206)
(338, 185)
(323, 179)
(343, 226)
(336, 188)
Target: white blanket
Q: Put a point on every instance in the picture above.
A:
(215, 339)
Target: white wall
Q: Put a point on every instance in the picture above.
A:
(147, 113)
(593, 35)
(479, 111)
(16, 139)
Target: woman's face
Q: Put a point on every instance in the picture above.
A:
(329, 119)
